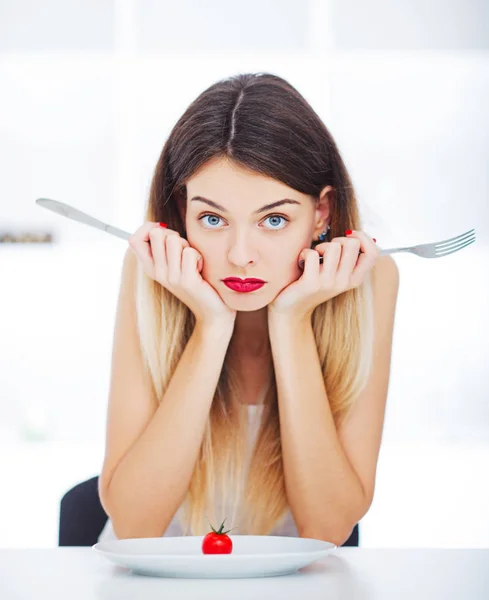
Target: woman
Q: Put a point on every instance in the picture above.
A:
(261, 405)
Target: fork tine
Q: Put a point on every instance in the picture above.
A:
(456, 238)
(447, 251)
(453, 244)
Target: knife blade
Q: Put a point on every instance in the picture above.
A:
(70, 212)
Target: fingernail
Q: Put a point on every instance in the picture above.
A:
(348, 232)
(374, 240)
(163, 225)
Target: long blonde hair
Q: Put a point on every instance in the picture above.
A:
(261, 122)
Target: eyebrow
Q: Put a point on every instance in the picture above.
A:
(260, 210)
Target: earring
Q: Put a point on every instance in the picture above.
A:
(324, 234)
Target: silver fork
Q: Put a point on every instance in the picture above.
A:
(438, 249)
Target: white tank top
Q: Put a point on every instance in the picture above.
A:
(286, 527)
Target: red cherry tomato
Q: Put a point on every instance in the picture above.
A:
(217, 542)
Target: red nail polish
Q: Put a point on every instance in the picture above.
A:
(163, 225)
(348, 232)
(374, 240)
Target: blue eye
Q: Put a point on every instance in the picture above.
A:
(212, 217)
(219, 218)
(277, 217)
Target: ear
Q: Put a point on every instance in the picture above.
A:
(323, 209)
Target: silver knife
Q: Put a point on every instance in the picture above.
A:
(77, 215)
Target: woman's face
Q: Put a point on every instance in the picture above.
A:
(242, 238)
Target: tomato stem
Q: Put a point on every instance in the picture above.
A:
(221, 527)
(220, 531)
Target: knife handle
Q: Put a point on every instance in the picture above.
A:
(117, 232)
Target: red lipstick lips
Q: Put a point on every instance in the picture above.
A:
(243, 285)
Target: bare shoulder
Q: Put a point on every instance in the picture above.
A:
(386, 266)
(385, 274)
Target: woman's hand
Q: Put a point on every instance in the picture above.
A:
(346, 262)
(171, 261)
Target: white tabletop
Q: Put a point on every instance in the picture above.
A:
(349, 573)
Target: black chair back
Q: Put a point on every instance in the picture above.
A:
(81, 515)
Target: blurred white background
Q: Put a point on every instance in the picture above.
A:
(89, 91)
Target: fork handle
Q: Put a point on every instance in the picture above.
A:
(393, 250)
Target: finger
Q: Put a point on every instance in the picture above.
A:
(174, 246)
(331, 260)
(350, 254)
(369, 253)
(364, 264)
(191, 261)
(157, 237)
(139, 242)
(311, 264)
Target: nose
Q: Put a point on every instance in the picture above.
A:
(242, 252)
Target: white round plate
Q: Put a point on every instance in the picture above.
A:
(252, 556)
